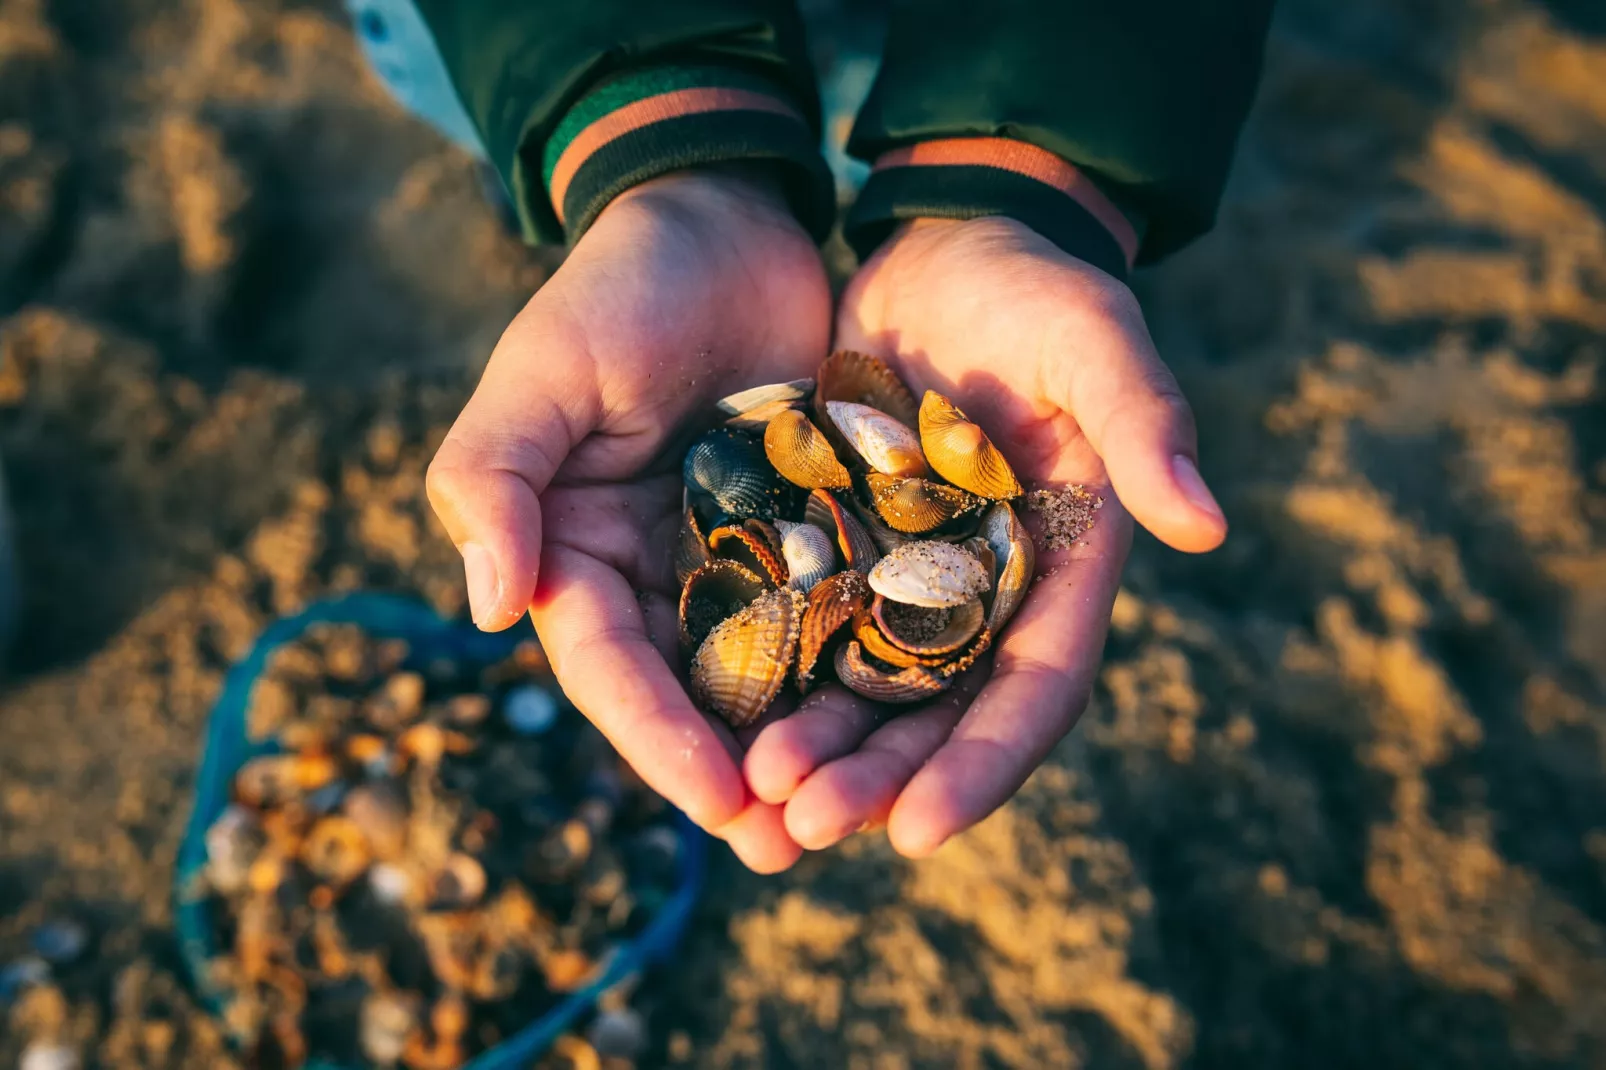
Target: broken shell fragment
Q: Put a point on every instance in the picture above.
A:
(918, 506)
(715, 592)
(884, 444)
(860, 675)
(739, 669)
(809, 553)
(691, 547)
(752, 544)
(928, 631)
(853, 541)
(960, 451)
(801, 452)
(834, 602)
(759, 396)
(1016, 562)
(729, 468)
(929, 574)
(864, 380)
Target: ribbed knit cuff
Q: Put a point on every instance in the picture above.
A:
(649, 122)
(970, 177)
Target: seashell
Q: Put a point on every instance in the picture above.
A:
(801, 453)
(960, 451)
(853, 541)
(759, 396)
(1015, 555)
(691, 548)
(530, 710)
(878, 647)
(715, 592)
(752, 544)
(729, 469)
(863, 677)
(809, 552)
(882, 442)
(739, 669)
(459, 884)
(379, 812)
(965, 658)
(335, 850)
(917, 506)
(832, 603)
(929, 574)
(758, 419)
(928, 631)
(274, 779)
(864, 380)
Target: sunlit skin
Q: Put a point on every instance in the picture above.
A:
(558, 483)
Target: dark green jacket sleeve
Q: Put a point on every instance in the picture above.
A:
(577, 100)
(1144, 98)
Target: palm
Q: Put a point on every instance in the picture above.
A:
(1035, 348)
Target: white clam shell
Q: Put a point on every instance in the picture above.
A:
(755, 397)
(885, 444)
(809, 552)
(933, 574)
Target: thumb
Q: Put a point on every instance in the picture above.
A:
(486, 479)
(1133, 413)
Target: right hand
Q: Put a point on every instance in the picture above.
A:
(559, 483)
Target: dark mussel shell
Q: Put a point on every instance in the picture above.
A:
(729, 469)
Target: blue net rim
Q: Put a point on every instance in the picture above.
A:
(226, 749)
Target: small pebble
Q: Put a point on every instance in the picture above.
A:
(618, 1033)
(530, 710)
(44, 1056)
(22, 973)
(60, 941)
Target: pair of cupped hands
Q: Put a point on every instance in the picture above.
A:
(560, 485)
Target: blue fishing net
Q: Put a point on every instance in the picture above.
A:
(227, 748)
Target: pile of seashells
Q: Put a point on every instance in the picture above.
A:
(840, 513)
(432, 857)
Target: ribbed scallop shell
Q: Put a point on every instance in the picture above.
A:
(691, 547)
(739, 669)
(960, 451)
(759, 396)
(713, 593)
(884, 444)
(864, 380)
(801, 453)
(729, 468)
(1015, 556)
(911, 684)
(809, 552)
(824, 510)
(834, 602)
(758, 419)
(934, 574)
(917, 506)
(752, 543)
(926, 630)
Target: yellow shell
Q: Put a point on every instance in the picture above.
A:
(864, 380)
(860, 675)
(834, 602)
(739, 669)
(881, 441)
(753, 544)
(713, 593)
(1015, 557)
(935, 574)
(853, 541)
(691, 548)
(928, 631)
(801, 453)
(960, 451)
(809, 552)
(916, 506)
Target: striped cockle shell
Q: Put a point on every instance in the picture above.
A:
(753, 544)
(834, 602)
(729, 469)
(884, 444)
(928, 631)
(740, 668)
(934, 574)
(801, 453)
(860, 675)
(864, 380)
(916, 506)
(809, 552)
(853, 540)
(960, 451)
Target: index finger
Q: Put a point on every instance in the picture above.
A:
(1043, 673)
(595, 634)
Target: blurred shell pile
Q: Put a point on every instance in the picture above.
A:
(430, 861)
(835, 527)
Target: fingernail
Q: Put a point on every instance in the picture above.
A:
(1193, 485)
(484, 586)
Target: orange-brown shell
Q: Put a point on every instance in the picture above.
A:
(740, 668)
(916, 506)
(1014, 563)
(824, 510)
(928, 631)
(863, 380)
(877, 646)
(860, 675)
(833, 603)
(691, 547)
(802, 453)
(753, 544)
(961, 660)
(713, 593)
(960, 451)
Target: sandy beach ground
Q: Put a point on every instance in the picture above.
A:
(1341, 797)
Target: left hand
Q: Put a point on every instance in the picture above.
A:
(1051, 357)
